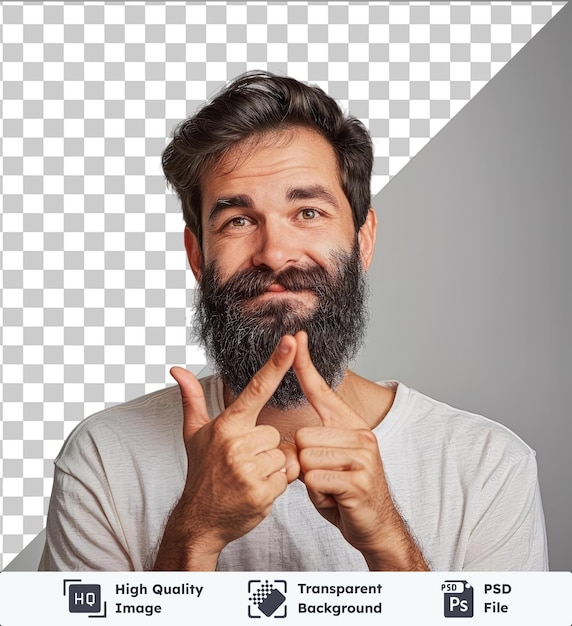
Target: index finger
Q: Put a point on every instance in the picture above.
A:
(250, 402)
(333, 411)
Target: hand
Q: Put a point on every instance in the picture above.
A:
(235, 468)
(343, 472)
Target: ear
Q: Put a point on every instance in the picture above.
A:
(366, 238)
(194, 253)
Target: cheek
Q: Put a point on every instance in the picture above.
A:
(323, 247)
(228, 258)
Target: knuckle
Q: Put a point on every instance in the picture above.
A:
(304, 457)
(359, 481)
(187, 404)
(281, 482)
(363, 486)
(311, 479)
(366, 437)
(257, 499)
(221, 429)
(302, 435)
(231, 412)
(218, 427)
(276, 359)
(232, 451)
(257, 386)
(277, 456)
(270, 434)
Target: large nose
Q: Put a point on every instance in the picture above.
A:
(275, 247)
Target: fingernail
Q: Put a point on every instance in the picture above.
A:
(283, 347)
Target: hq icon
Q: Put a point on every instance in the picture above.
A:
(84, 598)
(458, 598)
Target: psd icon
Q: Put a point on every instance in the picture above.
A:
(458, 598)
(266, 598)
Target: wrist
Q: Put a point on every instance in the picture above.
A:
(396, 562)
(182, 548)
(393, 548)
(185, 554)
(184, 559)
(396, 553)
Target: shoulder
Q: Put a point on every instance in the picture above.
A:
(131, 421)
(440, 429)
(148, 425)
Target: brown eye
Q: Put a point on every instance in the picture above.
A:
(309, 214)
(238, 222)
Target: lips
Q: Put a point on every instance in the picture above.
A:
(276, 288)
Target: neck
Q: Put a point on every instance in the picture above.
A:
(286, 421)
(369, 400)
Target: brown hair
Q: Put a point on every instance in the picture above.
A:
(253, 104)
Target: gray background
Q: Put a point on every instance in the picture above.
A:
(95, 293)
(472, 274)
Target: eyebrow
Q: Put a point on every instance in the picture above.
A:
(220, 204)
(313, 192)
(244, 201)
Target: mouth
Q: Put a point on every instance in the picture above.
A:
(276, 288)
(278, 294)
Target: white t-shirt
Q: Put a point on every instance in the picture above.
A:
(466, 486)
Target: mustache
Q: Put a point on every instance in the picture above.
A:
(253, 282)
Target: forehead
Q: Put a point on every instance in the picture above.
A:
(274, 158)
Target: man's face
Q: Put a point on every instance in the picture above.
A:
(280, 254)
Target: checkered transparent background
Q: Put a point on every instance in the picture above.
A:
(95, 294)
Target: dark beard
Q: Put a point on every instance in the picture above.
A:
(240, 341)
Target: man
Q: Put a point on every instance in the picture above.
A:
(287, 460)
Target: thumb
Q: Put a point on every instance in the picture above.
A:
(195, 414)
(292, 464)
